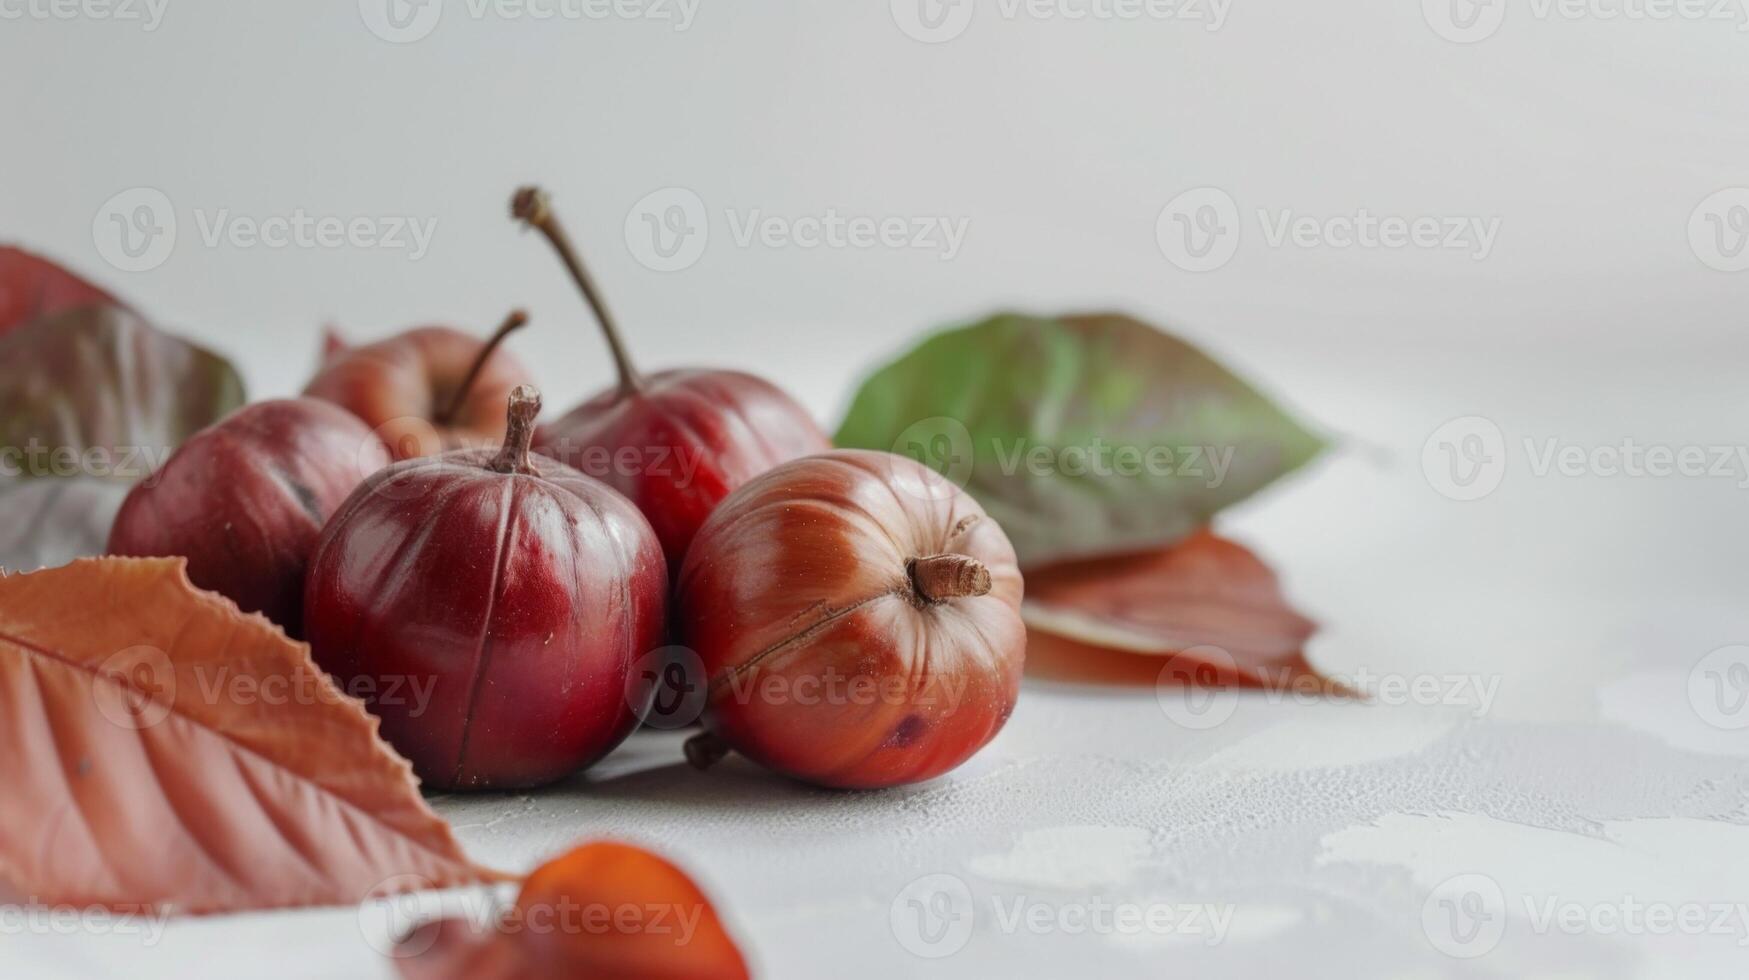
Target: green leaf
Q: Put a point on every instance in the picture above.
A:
(98, 392)
(1084, 435)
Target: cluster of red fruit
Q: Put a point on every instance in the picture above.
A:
(532, 601)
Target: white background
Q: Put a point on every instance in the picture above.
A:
(1592, 320)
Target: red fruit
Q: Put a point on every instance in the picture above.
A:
(676, 442)
(858, 621)
(245, 500)
(32, 286)
(489, 605)
(426, 390)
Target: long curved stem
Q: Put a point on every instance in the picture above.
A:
(512, 323)
(532, 207)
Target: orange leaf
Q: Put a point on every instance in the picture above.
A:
(164, 750)
(606, 910)
(1207, 603)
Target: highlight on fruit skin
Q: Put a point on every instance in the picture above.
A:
(245, 501)
(493, 603)
(858, 620)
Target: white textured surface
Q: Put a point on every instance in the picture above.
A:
(1583, 603)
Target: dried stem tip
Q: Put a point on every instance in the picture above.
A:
(519, 431)
(939, 578)
(705, 750)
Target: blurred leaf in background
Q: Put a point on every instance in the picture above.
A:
(1084, 436)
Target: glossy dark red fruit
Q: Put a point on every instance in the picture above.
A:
(425, 391)
(857, 619)
(676, 442)
(489, 605)
(32, 286)
(246, 499)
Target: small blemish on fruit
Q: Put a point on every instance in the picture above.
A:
(907, 731)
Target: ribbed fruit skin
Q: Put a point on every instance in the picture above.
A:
(491, 620)
(822, 661)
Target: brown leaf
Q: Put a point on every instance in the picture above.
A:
(606, 910)
(164, 749)
(1208, 604)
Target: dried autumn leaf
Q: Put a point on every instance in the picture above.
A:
(32, 286)
(97, 391)
(606, 910)
(1208, 604)
(1083, 436)
(164, 749)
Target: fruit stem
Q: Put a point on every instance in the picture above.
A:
(705, 750)
(939, 578)
(534, 209)
(519, 431)
(512, 323)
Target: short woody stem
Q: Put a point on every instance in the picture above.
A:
(939, 578)
(519, 431)
(530, 205)
(705, 750)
